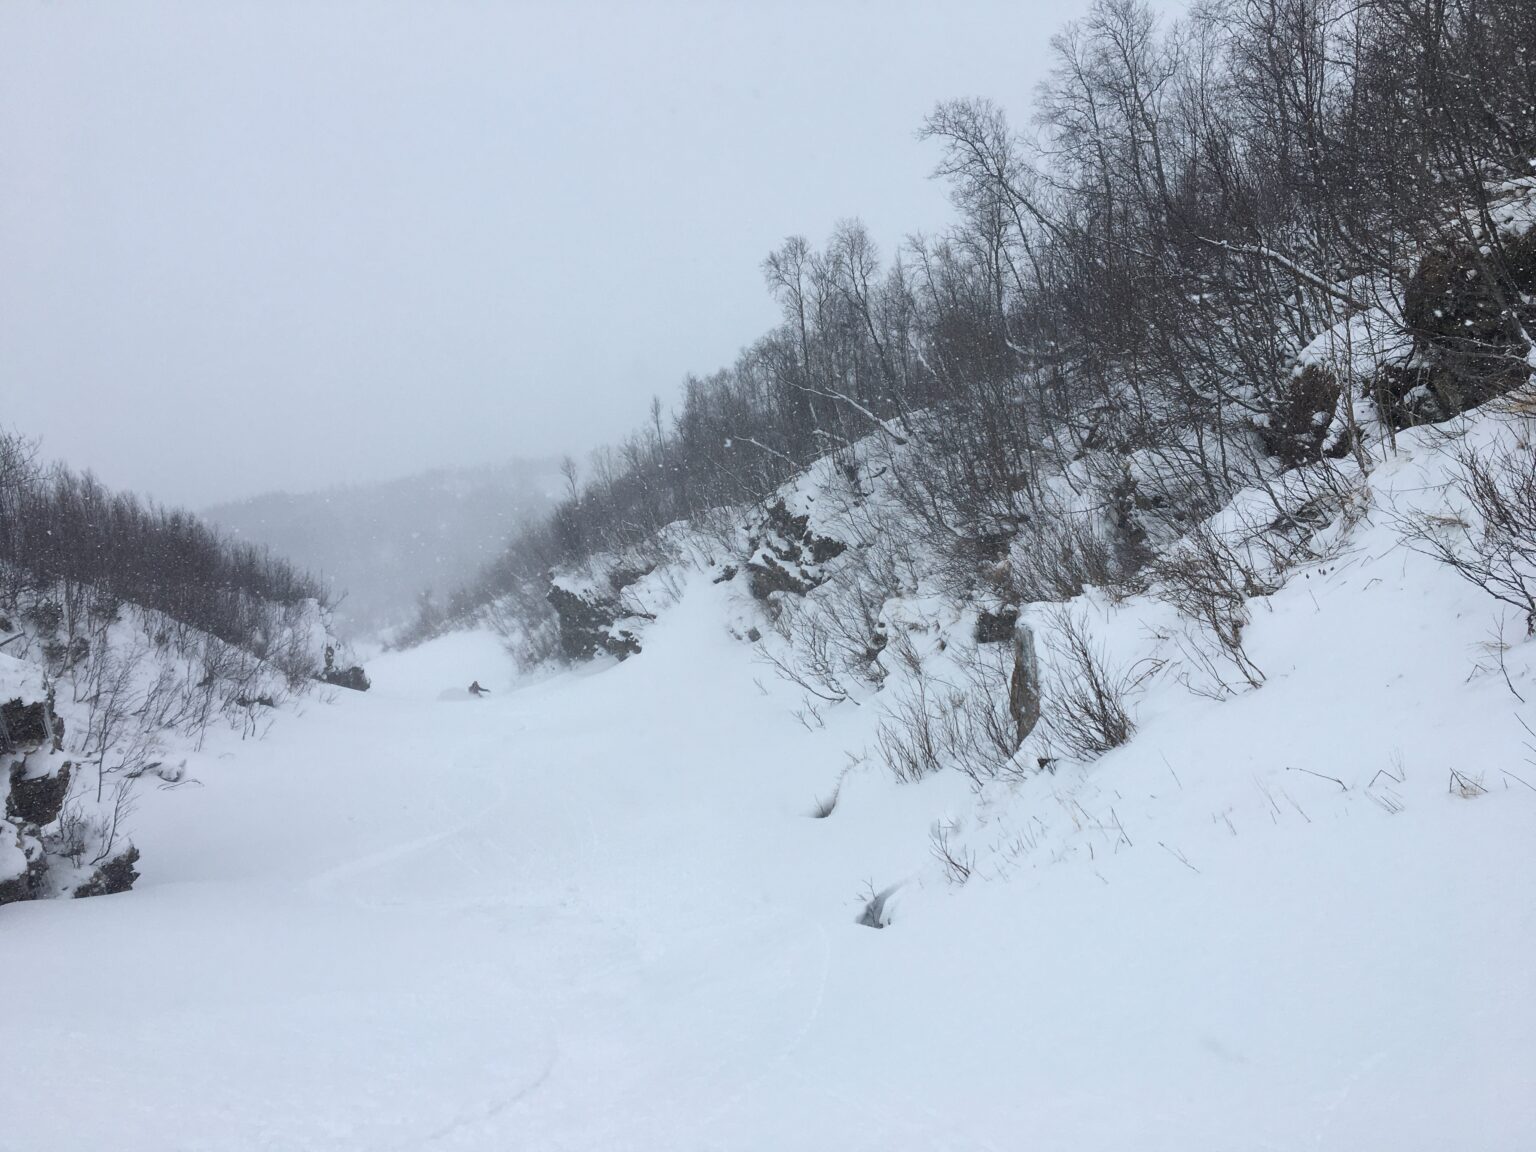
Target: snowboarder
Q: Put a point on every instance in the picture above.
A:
(476, 690)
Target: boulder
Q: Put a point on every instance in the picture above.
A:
(996, 627)
(29, 724)
(116, 875)
(354, 678)
(787, 555)
(791, 536)
(37, 799)
(23, 864)
(1024, 684)
(769, 576)
(1466, 348)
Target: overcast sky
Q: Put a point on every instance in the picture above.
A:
(247, 246)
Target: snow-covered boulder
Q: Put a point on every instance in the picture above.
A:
(116, 875)
(787, 554)
(995, 627)
(354, 678)
(23, 864)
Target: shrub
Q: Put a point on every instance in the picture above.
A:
(1086, 709)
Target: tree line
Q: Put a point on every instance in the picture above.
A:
(70, 548)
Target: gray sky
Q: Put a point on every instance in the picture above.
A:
(272, 244)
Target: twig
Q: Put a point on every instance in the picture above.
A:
(1171, 772)
(1512, 776)
(1502, 648)
(1179, 856)
(1342, 786)
(1121, 828)
(1263, 251)
(1296, 806)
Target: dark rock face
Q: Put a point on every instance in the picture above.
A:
(1467, 346)
(996, 627)
(15, 890)
(116, 875)
(1024, 685)
(1300, 415)
(623, 577)
(30, 801)
(37, 799)
(769, 576)
(589, 625)
(35, 725)
(354, 678)
(796, 542)
(787, 554)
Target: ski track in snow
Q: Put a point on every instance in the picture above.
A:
(492, 1111)
(325, 885)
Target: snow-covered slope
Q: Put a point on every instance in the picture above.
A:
(595, 910)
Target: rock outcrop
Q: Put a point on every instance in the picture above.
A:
(1468, 325)
(996, 627)
(787, 556)
(354, 678)
(33, 790)
(589, 625)
(1024, 684)
(23, 863)
(116, 875)
(33, 724)
(37, 798)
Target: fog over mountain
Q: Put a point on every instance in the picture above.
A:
(380, 545)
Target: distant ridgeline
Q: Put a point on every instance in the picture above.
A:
(126, 632)
(380, 545)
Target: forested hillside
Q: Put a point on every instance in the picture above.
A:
(1269, 233)
(127, 631)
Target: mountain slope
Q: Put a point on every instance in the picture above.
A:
(383, 544)
(127, 631)
(594, 911)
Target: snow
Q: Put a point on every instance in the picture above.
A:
(13, 859)
(19, 680)
(594, 911)
(450, 663)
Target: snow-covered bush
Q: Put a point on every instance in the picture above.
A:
(1487, 535)
(1087, 699)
